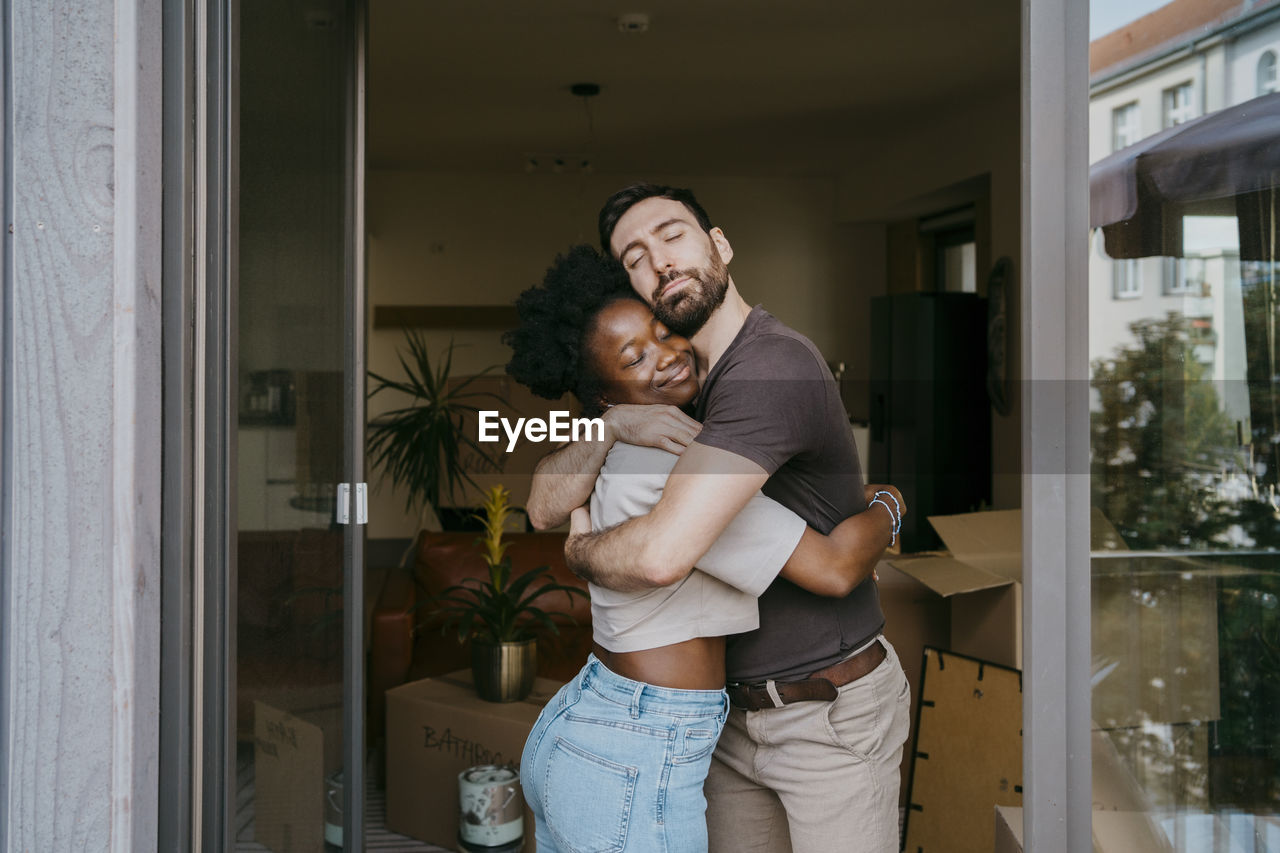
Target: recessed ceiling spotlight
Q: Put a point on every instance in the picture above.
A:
(633, 22)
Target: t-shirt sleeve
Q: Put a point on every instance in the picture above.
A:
(755, 546)
(769, 404)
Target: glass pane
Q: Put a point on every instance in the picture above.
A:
(292, 313)
(1185, 439)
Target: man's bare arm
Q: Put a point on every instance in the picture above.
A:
(564, 478)
(835, 564)
(705, 490)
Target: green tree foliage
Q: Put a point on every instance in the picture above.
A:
(1158, 440)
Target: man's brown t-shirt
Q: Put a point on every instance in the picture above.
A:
(771, 399)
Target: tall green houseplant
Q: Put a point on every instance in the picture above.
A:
(498, 613)
(421, 447)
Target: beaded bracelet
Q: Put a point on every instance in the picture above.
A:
(893, 537)
(898, 519)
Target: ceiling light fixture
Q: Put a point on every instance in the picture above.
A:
(587, 91)
(566, 163)
(633, 23)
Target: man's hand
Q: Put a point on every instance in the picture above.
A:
(664, 427)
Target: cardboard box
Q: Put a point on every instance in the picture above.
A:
(293, 752)
(1154, 618)
(1008, 829)
(438, 727)
(914, 617)
(980, 575)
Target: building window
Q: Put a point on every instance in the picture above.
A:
(1124, 126)
(1267, 82)
(1127, 279)
(1177, 105)
(1184, 276)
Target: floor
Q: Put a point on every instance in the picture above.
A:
(377, 836)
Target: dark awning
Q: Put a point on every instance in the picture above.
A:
(1139, 194)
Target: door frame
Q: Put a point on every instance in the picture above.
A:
(1056, 757)
(353, 646)
(196, 797)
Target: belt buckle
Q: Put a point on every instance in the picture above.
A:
(755, 695)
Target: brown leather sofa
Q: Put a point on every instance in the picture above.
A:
(406, 645)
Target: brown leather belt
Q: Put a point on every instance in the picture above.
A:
(818, 687)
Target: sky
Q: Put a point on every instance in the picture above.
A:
(1108, 15)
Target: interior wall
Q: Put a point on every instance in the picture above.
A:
(912, 159)
(862, 260)
(438, 238)
(291, 205)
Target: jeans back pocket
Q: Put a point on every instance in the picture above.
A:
(588, 799)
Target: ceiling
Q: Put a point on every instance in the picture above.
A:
(713, 86)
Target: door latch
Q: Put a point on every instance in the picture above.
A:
(343, 503)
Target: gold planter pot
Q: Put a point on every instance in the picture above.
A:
(504, 672)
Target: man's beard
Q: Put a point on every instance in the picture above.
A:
(688, 310)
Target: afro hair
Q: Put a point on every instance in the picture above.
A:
(555, 318)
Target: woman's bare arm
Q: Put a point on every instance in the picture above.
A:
(835, 564)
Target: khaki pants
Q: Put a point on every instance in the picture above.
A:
(813, 777)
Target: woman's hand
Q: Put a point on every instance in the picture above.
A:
(664, 427)
(580, 521)
(869, 492)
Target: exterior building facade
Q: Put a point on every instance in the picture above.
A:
(1203, 66)
(1214, 56)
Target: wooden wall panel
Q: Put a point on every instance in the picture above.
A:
(81, 612)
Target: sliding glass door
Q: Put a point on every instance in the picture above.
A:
(279, 742)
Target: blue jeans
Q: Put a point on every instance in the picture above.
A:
(617, 765)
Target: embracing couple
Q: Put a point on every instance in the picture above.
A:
(740, 696)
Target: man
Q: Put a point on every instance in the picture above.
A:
(809, 758)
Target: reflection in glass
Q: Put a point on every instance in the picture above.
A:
(291, 276)
(1124, 126)
(1186, 589)
(1267, 79)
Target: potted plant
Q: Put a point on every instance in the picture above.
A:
(422, 447)
(498, 613)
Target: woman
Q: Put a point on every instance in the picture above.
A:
(617, 759)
